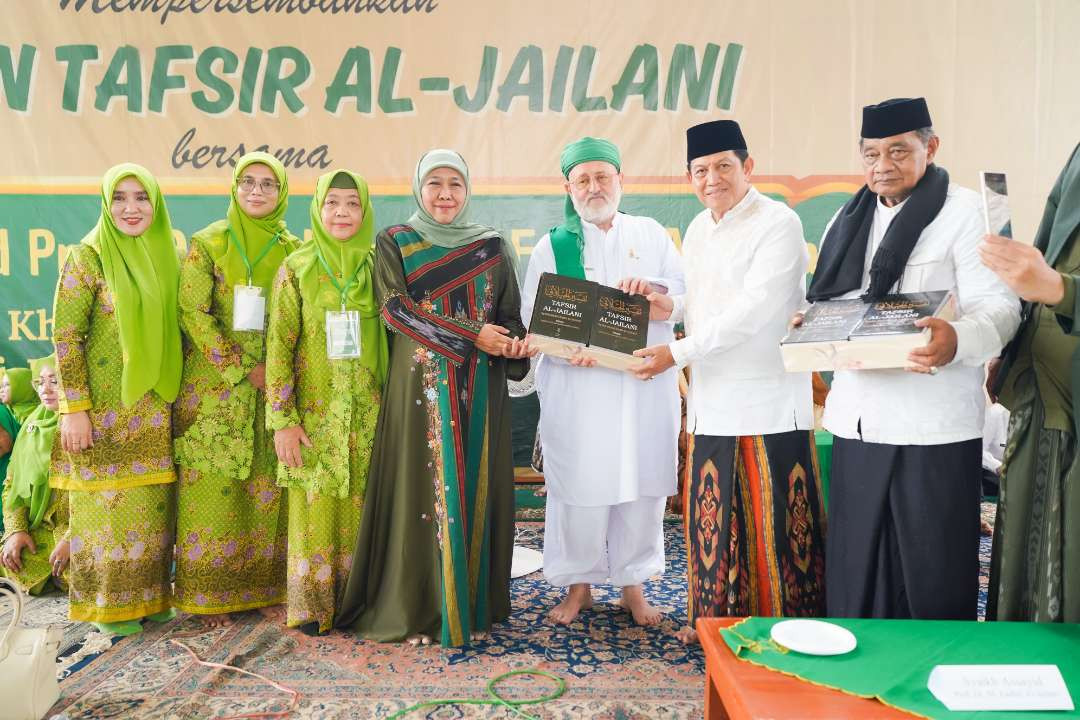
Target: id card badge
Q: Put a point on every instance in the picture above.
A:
(249, 308)
(342, 334)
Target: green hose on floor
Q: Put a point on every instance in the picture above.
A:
(496, 699)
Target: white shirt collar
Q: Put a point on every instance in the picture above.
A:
(615, 221)
(735, 212)
(890, 212)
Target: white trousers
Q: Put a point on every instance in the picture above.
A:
(622, 544)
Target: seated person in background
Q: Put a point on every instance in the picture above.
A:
(35, 547)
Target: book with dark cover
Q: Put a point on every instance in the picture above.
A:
(565, 308)
(855, 335)
(622, 321)
(828, 320)
(896, 314)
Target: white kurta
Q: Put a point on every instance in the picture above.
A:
(608, 437)
(896, 407)
(745, 278)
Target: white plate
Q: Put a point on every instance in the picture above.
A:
(813, 637)
(525, 561)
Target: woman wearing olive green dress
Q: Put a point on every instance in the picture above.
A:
(119, 360)
(230, 518)
(442, 474)
(323, 394)
(35, 545)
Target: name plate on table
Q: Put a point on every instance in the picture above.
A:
(999, 687)
(572, 316)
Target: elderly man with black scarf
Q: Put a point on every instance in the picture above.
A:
(903, 530)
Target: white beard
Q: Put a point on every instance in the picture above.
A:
(597, 215)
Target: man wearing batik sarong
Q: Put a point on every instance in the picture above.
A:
(907, 456)
(755, 521)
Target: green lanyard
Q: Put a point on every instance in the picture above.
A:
(343, 290)
(243, 256)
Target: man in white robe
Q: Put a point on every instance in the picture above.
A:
(610, 441)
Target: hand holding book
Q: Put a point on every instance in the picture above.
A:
(939, 351)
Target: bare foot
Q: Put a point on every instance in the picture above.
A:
(479, 636)
(217, 621)
(986, 528)
(417, 640)
(578, 598)
(687, 635)
(633, 599)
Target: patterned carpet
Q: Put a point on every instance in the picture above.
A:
(613, 669)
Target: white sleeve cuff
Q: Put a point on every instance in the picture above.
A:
(969, 350)
(680, 352)
(678, 312)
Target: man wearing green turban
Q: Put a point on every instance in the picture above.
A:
(610, 442)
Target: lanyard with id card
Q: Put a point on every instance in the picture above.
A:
(249, 303)
(342, 327)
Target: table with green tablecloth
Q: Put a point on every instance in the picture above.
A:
(893, 658)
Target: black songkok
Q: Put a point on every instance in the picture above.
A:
(713, 137)
(893, 117)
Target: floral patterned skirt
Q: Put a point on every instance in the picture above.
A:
(121, 552)
(230, 540)
(322, 538)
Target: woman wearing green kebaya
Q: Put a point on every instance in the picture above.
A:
(323, 393)
(35, 544)
(116, 318)
(231, 518)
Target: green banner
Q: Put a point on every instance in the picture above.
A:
(37, 228)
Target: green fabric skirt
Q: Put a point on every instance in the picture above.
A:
(1035, 566)
(121, 552)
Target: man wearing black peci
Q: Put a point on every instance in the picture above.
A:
(906, 468)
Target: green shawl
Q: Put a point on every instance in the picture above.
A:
(32, 455)
(11, 425)
(143, 275)
(23, 398)
(568, 239)
(460, 231)
(350, 263)
(240, 235)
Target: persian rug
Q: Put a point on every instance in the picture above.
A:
(613, 669)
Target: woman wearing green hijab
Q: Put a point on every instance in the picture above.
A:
(35, 544)
(17, 392)
(230, 520)
(9, 431)
(326, 359)
(116, 318)
(442, 473)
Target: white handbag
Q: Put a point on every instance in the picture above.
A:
(28, 686)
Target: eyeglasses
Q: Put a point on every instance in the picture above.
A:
(51, 382)
(585, 181)
(266, 185)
